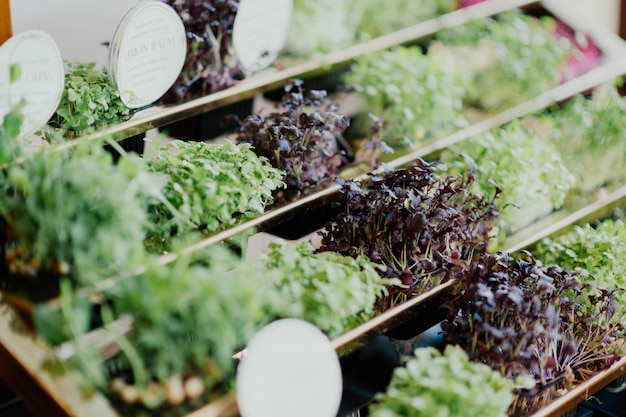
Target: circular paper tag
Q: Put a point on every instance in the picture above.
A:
(38, 78)
(290, 369)
(147, 53)
(260, 31)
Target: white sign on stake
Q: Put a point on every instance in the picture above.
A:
(147, 53)
(289, 369)
(260, 31)
(39, 78)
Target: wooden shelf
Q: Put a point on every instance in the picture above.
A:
(22, 354)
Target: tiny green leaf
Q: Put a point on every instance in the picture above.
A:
(15, 72)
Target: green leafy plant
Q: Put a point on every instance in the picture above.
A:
(89, 100)
(501, 56)
(431, 383)
(527, 169)
(373, 18)
(73, 213)
(187, 321)
(9, 134)
(416, 98)
(332, 291)
(319, 27)
(210, 186)
(190, 317)
(588, 130)
(325, 26)
(11, 123)
(597, 249)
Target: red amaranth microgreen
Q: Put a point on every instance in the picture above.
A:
(211, 64)
(423, 227)
(300, 140)
(526, 320)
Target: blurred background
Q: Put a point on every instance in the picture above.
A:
(96, 21)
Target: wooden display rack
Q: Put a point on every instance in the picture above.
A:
(6, 26)
(22, 354)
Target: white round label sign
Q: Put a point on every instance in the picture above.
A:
(290, 369)
(147, 53)
(31, 69)
(260, 31)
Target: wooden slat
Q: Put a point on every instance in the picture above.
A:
(553, 225)
(561, 405)
(6, 28)
(22, 359)
(622, 19)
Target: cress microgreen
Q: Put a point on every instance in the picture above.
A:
(89, 100)
(500, 55)
(319, 27)
(73, 213)
(528, 170)
(9, 134)
(431, 383)
(591, 129)
(416, 98)
(15, 72)
(332, 291)
(598, 249)
(210, 186)
(373, 18)
(325, 26)
(188, 319)
(188, 314)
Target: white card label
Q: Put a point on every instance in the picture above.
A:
(260, 31)
(147, 53)
(41, 78)
(290, 369)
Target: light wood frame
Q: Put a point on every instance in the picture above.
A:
(6, 27)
